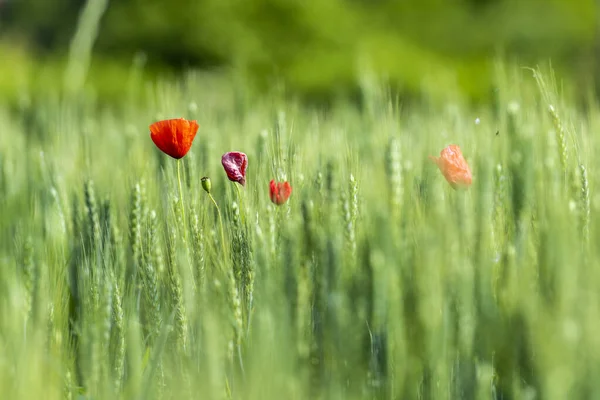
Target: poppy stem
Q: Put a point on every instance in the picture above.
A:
(240, 200)
(220, 223)
(181, 198)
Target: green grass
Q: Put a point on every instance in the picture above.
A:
(375, 280)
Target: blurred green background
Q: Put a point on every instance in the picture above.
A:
(316, 48)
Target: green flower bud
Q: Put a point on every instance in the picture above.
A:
(206, 184)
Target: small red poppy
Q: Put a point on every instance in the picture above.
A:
(454, 167)
(235, 164)
(174, 137)
(279, 192)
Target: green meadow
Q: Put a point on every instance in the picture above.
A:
(375, 280)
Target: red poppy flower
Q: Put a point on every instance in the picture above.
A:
(235, 164)
(279, 192)
(454, 167)
(174, 137)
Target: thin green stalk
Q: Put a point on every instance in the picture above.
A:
(220, 223)
(241, 204)
(233, 287)
(181, 199)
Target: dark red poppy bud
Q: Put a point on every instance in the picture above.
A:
(235, 164)
(279, 192)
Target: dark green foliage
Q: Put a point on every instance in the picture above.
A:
(314, 46)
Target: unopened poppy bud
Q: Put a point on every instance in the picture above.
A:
(206, 185)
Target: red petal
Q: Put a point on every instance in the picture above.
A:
(279, 192)
(454, 167)
(286, 190)
(235, 163)
(174, 137)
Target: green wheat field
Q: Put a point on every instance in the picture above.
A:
(376, 280)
